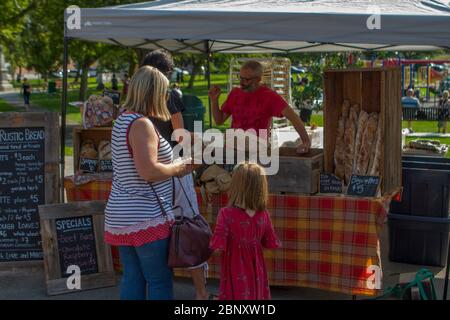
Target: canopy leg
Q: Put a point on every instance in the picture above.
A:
(63, 115)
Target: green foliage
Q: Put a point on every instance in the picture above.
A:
(5, 107)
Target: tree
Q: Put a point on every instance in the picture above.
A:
(12, 16)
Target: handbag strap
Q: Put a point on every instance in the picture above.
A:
(159, 202)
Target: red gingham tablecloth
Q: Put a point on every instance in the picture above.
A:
(329, 243)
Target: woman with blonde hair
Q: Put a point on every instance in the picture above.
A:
(138, 215)
(242, 230)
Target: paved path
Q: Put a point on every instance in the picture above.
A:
(30, 285)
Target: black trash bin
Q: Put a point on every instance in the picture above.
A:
(419, 224)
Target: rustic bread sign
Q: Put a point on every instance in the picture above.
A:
(29, 176)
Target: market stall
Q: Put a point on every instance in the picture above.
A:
(330, 241)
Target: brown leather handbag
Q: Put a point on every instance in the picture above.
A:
(189, 239)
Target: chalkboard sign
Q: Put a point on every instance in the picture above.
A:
(76, 244)
(88, 165)
(329, 183)
(73, 236)
(363, 186)
(25, 180)
(105, 166)
(114, 95)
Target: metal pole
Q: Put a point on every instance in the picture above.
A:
(447, 270)
(208, 77)
(428, 82)
(63, 113)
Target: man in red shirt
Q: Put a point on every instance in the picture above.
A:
(253, 105)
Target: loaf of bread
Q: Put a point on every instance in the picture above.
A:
(88, 149)
(367, 144)
(349, 141)
(375, 162)
(104, 150)
(339, 155)
(362, 121)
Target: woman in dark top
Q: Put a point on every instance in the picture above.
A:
(162, 60)
(26, 88)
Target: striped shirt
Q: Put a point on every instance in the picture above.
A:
(133, 215)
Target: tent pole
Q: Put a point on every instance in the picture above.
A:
(208, 77)
(63, 114)
(447, 271)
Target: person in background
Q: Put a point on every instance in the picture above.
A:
(126, 82)
(409, 100)
(163, 61)
(26, 90)
(243, 229)
(114, 83)
(444, 112)
(138, 214)
(253, 105)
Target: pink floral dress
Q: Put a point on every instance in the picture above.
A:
(242, 238)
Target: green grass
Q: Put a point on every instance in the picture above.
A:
(442, 140)
(68, 151)
(421, 126)
(317, 119)
(200, 90)
(5, 107)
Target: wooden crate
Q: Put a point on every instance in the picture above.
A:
(297, 173)
(80, 134)
(375, 90)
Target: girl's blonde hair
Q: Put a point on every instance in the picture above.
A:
(249, 189)
(148, 93)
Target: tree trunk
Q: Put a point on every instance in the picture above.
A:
(77, 76)
(196, 64)
(132, 65)
(140, 53)
(84, 82)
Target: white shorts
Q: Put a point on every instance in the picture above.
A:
(179, 198)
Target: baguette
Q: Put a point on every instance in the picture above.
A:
(375, 162)
(339, 158)
(349, 141)
(368, 140)
(362, 121)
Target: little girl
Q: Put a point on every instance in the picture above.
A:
(242, 230)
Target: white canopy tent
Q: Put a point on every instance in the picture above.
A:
(270, 25)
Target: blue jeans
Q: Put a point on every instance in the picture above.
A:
(26, 98)
(146, 274)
